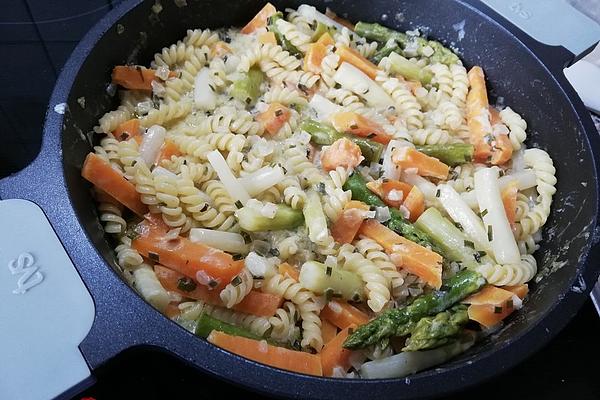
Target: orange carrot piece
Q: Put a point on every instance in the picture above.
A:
(494, 116)
(411, 256)
(408, 157)
(414, 203)
(267, 38)
(103, 176)
(334, 355)
(478, 116)
(342, 153)
(520, 290)
(127, 130)
(347, 225)
(351, 56)
(287, 269)
(501, 150)
(395, 192)
(186, 257)
(376, 187)
(168, 149)
(326, 40)
(262, 352)
(328, 331)
(338, 19)
(357, 204)
(274, 117)
(356, 124)
(509, 199)
(314, 56)
(260, 19)
(135, 77)
(102, 197)
(342, 314)
(492, 304)
(172, 311)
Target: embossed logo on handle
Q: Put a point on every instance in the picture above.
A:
(25, 265)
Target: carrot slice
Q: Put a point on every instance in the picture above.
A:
(255, 302)
(501, 150)
(415, 258)
(287, 269)
(262, 352)
(351, 56)
(274, 117)
(168, 149)
(492, 304)
(478, 117)
(356, 124)
(395, 192)
(314, 56)
(260, 19)
(346, 227)
(494, 116)
(215, 267)
(102, 197)
(326, 40)
(267, 38)
(376, 187)
(509, 199)
(171, 311)
(328, 331)
(342, 153)
(127, 130)
(414, 203)
(135, 77)
(343, 315)
(103, 176)
(334, 355)
(408, 158)
(338, 19)
(519, 290)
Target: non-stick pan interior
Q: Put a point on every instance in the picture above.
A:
(515, 77)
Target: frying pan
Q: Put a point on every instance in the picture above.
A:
(69, 312)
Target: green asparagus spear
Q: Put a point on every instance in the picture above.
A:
(281, 39)
(389, 47)
(247, 89)
(357, 185)
(325, 135)
(393, 322)
(451, 154)
(205, 324)
(285, 217)
(437, 330)
(408, 69)
(382, 34)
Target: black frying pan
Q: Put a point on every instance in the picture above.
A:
(526, 73)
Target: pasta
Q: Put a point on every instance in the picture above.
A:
(296, 181)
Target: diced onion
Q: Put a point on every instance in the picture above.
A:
(226, 241)
(229, 181)
(323, 107)
(151, 144)
(259, 266)
(382, 214)
(268, 210)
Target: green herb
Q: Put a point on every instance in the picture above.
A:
(186, 284)
(470, 244)
(328, 271)
(153, 256)
(213, 283)
(237, 257)
(490, 233)
(497, 310)
(483, 213)
(239, 204)
(237, 281)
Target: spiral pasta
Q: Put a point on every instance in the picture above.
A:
(284, 95)
(373, 252)
(516, 125)
(237, 289)
(167, 113)
(407, 105)
(510, 274)
(305, 302)
(284, 323)
(111, 216)
(127, 257)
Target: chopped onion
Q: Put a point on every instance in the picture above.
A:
(144, 107)
(204, 92)
(323, 107)
(259, 266)
(173, 234)
(163, 171)
(312, 13)
(268, 210)
(226, 241)
(369, 214)
(151, 143)
(331, 261)
(259, 181)
(157, 88)
(395, 195)
(382, 214)
(162, 72)
(229, 181)
(204, 279)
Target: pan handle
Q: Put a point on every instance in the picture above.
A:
(561, 23)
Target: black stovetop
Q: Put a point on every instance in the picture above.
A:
(36, 38)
